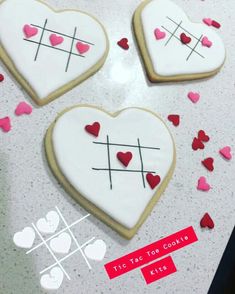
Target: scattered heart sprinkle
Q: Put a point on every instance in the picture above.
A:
(197, 144)
(226, 152)
(203, 136)
(123, 43)
(206, 42)
(207, 222)
(23, 108)
(203, 185)
(175, 119)
(207, 21)
(208, 163)
(5, 124)
(194, 97)
(1, 78)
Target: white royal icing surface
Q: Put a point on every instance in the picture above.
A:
(47, 73)
(76, 155)
(171, 59)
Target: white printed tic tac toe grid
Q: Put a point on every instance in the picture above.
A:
(58, 244)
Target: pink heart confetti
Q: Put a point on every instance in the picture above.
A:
(194, 97)
(23, 108)
(5, 124)
(226, 152)
(30, 31)
(203, 185)
(159, 34)
(206, 42)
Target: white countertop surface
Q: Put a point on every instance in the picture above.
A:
(28, 190)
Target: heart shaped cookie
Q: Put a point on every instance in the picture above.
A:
(46, 50)
(88, 168)
(183, 54)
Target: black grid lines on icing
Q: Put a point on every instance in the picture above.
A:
(70, 52)
(111, 170)
(173, 34)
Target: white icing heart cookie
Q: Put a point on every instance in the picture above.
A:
(116, 166)
(49, 52)
(174, 48)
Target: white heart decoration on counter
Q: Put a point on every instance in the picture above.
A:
(61, 244)
(169, 58)
(53, 280)
(49, 224)
(24, 238)
(96, 251)
(49, 69)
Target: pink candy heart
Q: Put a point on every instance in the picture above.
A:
(5, 124)
(226, 152)
(159, 34)
(203, 185)
(82, 48)
(206, 42)
(207, 21)
(56, 40)
(23, 108)
(194, 97)
(30, 31)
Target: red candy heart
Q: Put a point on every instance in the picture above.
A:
(185, 39)
(197, 144)
(208, 163)
(23, 108)
(93, 129)
(175, 119)
(123, 43)
(5, 124)
(207, 221)
(203, 136)
(1, 77)
(153, 180)
(125, 158)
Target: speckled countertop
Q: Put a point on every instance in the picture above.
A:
(28, 190)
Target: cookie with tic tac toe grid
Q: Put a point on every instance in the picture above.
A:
(174, 48)
(114, 165)
(49, 52)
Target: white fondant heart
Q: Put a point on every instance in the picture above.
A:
(84, 160)
(49, 224)
(53, 280)
(24, 238)
(61, 244)
(96, 251)
(47, 68)
(169, 57)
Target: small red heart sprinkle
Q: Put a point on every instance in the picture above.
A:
(123, 43)
(208, 163)
(215, 24)
(226, 152)
(153, 180)
(93, 129)
(197, 144)
(207, 221)
(1, 77)
(203, 136)
(185, 39)
(175, 119)
(23, 108)
(124, 157)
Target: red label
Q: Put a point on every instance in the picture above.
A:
(158, 270)
(150, 252)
